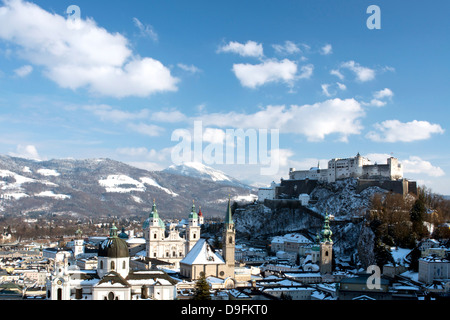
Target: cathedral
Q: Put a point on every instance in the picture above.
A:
(173, 248)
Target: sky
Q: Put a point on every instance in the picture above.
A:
(145, 82)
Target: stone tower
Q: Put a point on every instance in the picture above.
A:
(229, 242)
(326, 247)
(193, 229)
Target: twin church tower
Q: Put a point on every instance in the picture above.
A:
(188, 252)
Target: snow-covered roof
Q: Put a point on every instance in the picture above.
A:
(202, 253)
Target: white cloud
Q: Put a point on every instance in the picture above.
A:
(385, 93)
(337, 73)
(146, 129)
(325, 91)
(87, 56)
(326, 49)
(363, 74)
(27, 152)
(396, 131)
(108, 113)
(341, 86)
(287, 48)
(249, 49)
(23, 71)
(326, 88)
(145, 29)
(418, 166)
(334, 116)
(252, 76)
(189, 68)
(374, 103)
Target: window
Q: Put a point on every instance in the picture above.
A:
(113, 265)
(78, 293)
(111, 296)
(124, 265)
(101, 264)
(154, 236)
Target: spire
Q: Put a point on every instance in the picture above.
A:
(326, 231)
(229, 215)
(154, 213)
(200, 211)
(113, 231)
(193, 214)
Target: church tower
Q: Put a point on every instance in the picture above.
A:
(154, 230)
(78, 245)
(200, 216)
(228, 243)
(326, 247)
(193, 229)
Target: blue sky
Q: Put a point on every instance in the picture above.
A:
(126, 75)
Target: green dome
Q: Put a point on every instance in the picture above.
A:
(326, 231)
(113, 247)
(123, 235)
(193, 214)
(153, 214)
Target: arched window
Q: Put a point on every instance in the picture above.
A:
(124, 265)
(230, 240)
(195, 235)
(113, 265)
(101, 264)
(111, 296)
(59, 294)
(154, 236)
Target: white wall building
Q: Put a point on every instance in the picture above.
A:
(356, 167)
(267, 193)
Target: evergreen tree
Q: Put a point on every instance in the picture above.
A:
(202, 288)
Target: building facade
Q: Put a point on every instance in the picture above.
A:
(171, 248)
(355, 167)
(202, 258)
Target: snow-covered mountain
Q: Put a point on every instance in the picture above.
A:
(201, 171)
(107, 187)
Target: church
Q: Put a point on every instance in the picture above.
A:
(173, 248)
(203, 260)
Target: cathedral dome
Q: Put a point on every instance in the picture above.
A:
(113, 247)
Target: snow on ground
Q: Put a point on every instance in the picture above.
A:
(26, 169)
(122, 183)
(399, 254)
(197, 169)
(48, 172)
(151, 182)
(14, 195)
(137, 199)
(51, 194)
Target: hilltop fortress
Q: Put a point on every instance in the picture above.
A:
(300, 184)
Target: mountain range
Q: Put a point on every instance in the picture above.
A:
(102, 187)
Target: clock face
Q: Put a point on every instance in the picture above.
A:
(59, 282)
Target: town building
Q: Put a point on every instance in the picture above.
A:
(202, 259)
(112, 280)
